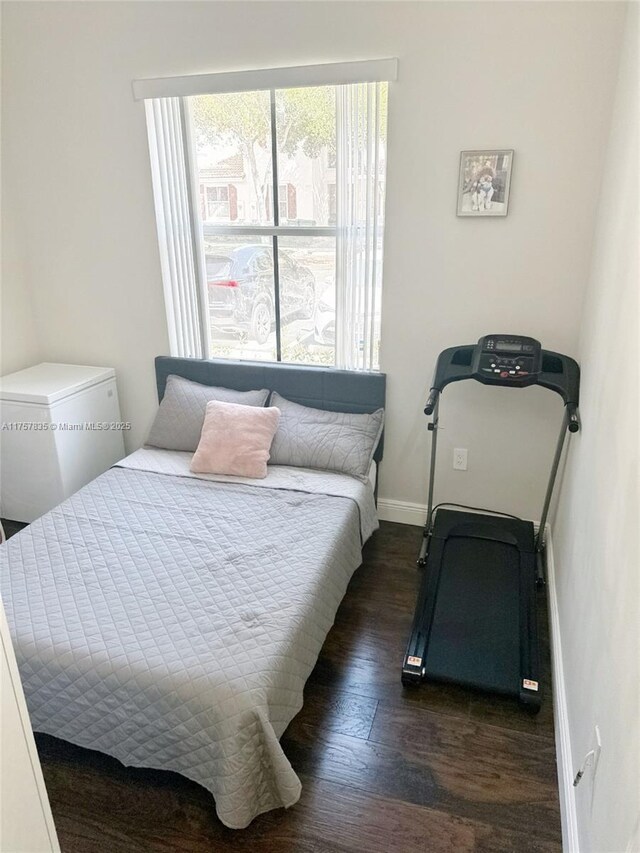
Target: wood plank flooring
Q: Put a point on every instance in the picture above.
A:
(383, 769)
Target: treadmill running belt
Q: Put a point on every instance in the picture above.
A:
(475, 635)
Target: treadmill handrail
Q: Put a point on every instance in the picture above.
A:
(444, 374)
(569, 387)
(455, 365)
(432, 399)
(573, 417)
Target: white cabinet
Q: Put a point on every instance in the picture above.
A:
(58, 430)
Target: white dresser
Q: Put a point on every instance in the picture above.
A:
(59, 428)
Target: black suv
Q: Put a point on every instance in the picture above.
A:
(240, 286)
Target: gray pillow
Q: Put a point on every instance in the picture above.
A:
(335, 441)
(178, 423)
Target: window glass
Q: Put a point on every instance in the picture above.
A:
(245, 292)
(232, 140)
(306, 144)
(240, 297)
(307, 299)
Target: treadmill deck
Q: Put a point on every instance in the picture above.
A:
(480, 570)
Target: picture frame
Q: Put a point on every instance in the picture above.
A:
(484, 182)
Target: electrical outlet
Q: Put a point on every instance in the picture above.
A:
(596, 746)
(590, 761)
(460, 458)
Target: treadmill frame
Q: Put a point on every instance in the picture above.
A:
(560, 374)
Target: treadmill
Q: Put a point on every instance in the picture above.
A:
(475, 619)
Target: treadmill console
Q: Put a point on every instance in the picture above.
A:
(507, 360)
(513, 361)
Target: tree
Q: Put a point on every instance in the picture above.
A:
(305, 118)
(241, 119)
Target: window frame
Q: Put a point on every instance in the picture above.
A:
(357, 231)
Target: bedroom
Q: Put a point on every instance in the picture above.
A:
(82, 283)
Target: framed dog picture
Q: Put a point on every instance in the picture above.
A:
(483, 187)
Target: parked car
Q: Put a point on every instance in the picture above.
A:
(241, 297)
(324, 316)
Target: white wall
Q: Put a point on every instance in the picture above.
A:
(18, 342)
(533, 76)
(18, 339)
(596, 532)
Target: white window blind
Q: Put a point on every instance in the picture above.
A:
(359, 220)
(174, 224)
(202, 280)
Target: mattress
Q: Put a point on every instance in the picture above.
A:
(172, 620)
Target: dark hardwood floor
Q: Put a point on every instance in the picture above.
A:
(382, 769)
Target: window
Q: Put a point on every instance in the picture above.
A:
(282, 303)
(284, 256)
(287, 202)
(217, 204)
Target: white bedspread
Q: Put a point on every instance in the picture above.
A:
(286, 477)
(172, 622)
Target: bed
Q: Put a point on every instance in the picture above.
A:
(171, 619)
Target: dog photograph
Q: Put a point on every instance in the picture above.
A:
(485, 177)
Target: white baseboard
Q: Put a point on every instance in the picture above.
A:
(402, 511)
(405, 512)
(568, 814)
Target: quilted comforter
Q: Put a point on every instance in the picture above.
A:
(172, 622)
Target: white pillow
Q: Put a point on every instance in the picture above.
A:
(180, 417)
(335, 441)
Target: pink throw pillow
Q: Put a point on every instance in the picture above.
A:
(235, 439)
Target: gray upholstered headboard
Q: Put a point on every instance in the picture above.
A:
(319, 387)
